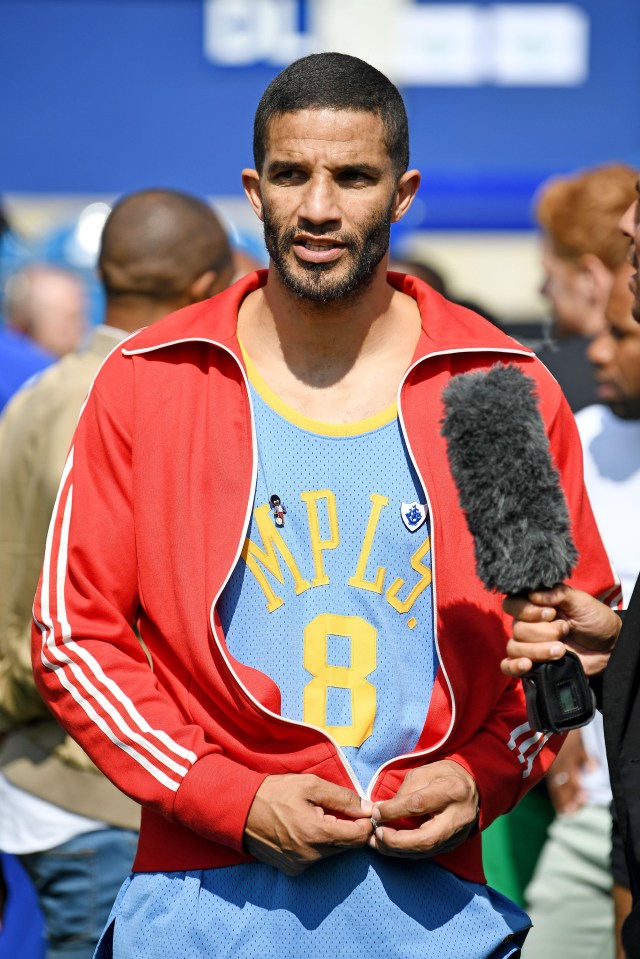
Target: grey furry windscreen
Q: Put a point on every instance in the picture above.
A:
(508, 486)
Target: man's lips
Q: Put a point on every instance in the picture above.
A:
(317, 251)
(607, 391)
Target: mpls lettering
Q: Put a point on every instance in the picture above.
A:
(274, 555)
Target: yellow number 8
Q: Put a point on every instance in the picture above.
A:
(363, 638)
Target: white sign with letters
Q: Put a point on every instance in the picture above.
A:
(416, 44)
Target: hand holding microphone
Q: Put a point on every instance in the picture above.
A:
(510, 492)
(547, 623)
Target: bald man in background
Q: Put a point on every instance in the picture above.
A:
(73, 830)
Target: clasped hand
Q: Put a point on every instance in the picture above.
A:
(548, 622)
(296, 820)
(442, 794)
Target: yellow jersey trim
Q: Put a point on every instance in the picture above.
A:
(305, 422)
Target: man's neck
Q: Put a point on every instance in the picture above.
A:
(337, 361)
(626, 410)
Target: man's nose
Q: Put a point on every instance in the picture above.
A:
(629, 219)
(319, 204)
(600, 349)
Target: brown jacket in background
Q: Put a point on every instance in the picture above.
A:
(36, 429)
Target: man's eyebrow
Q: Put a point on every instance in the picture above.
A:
(276, 166)
(367, 168)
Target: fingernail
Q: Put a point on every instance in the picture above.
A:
(367, 807)
(371, 841)
(557, 650)
(376, 814)
(547, 613)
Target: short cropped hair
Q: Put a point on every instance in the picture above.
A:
(580, 213)
(334, 81)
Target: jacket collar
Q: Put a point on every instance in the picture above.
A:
(446, 327)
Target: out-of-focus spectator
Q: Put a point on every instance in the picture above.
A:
(161, 251)
(19, 358)
(49, 306)
(570, 897)
(582, 248)
(19, 361)
(20, 918)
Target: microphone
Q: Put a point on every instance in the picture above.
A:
(516, 511)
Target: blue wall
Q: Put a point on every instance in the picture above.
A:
(106, 96)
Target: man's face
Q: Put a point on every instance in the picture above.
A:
(615, 353)
(327, 197)
(630, 226)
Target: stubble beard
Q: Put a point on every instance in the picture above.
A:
(316, 282)
(635, 287)
(635, 306)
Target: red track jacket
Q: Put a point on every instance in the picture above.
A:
(137, 535)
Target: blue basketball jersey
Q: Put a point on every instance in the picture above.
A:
(332, 597)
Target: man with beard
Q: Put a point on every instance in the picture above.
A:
(548, 623)
(630, 226)
(570, 896)
(319, 742)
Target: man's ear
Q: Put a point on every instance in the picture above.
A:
(597, 278)
(405, 192)
(251, 184)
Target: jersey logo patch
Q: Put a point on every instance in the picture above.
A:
(413, 515)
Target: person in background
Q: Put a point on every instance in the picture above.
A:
(583, 253)
(19, 357)
(581, 250)
(48, 306)
(547, 623)
(570, 897)
(20, 917)
(71, 828)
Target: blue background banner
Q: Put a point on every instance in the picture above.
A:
(107, 96)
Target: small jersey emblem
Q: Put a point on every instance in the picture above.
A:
(413, 515)
(278, 509)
